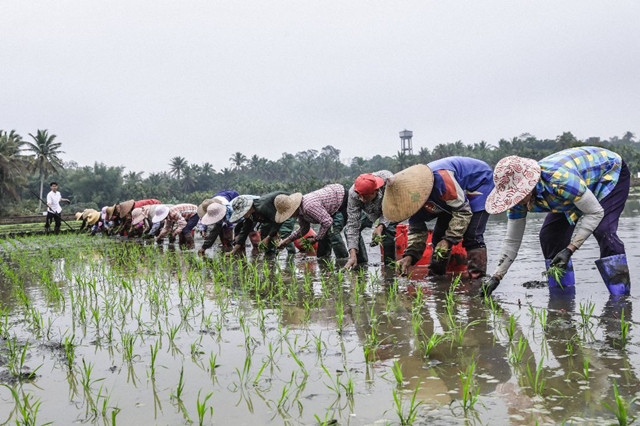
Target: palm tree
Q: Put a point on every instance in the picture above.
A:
(177, 164)
(47, 161)
(11, 163)
(238, 160)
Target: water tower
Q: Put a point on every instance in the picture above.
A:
(406, 143)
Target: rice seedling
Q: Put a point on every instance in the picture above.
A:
(440, 253)
(518, 351)
(431, 343)
(202, 407)
(511, 328)
(556, 273)
(396, 369)
(407, 415)
(306, 245)
(620, 407)
(154, 355)
(586, 312)
(542, 317)
(536, 378)
(624, 329)
(26, 406)
(69, 350)
(470, 390)
(177, 395)
(376, 240)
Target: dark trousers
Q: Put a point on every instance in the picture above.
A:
(215, 231)
(191, 223)
(333, 239)
(47, 223)
(473, 237)
(556, 230)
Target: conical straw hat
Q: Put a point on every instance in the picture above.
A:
(202, 207)
(286, 205)
(407, 192)
(93, 217)
(125, 208)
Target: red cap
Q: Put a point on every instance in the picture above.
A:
(367, 184)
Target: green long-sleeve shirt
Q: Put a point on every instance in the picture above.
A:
(265, 212)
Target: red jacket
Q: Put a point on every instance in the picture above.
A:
(148, 202)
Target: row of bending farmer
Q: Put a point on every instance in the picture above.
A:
(583, 190)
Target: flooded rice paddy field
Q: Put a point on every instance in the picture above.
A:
(98, 330)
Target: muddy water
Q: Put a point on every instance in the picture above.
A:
(311, 344)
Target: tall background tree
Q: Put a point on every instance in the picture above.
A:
(177, 164)
(12, 164)
(46, 161)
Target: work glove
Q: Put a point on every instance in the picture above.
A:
(489, 286)
(561, 259)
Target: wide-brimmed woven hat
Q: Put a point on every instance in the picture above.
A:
(514, 177)
(125, 208)
(215, 213)
(110, 211)
(202, 207)
(160, 214)
(137, 215)
(286, 205)
(93, 217)
(79, 215)
(407, 192)
(241, 205)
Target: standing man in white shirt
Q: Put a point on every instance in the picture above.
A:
(53, 208)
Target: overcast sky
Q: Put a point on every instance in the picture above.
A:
(135, 83)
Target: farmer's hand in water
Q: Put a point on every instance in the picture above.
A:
(201, 252)
(404, 264)
(353, 259)
(562, 259)
(489, 286)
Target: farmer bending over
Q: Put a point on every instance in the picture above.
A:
(183, 216)
(453, 191)
(217, 220)
(260, 210)
(365, 197)
(326, 206)
(584, 190)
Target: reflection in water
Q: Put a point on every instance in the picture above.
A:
(279, 341)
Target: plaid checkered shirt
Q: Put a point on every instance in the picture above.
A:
(566, 175)
(319, 207)
(178, 215)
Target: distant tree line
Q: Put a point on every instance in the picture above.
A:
(26, 166)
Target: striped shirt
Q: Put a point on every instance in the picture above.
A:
(319, 207)
(178, 215)
(566, 175)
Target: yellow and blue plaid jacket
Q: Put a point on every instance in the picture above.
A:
(566, 175)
